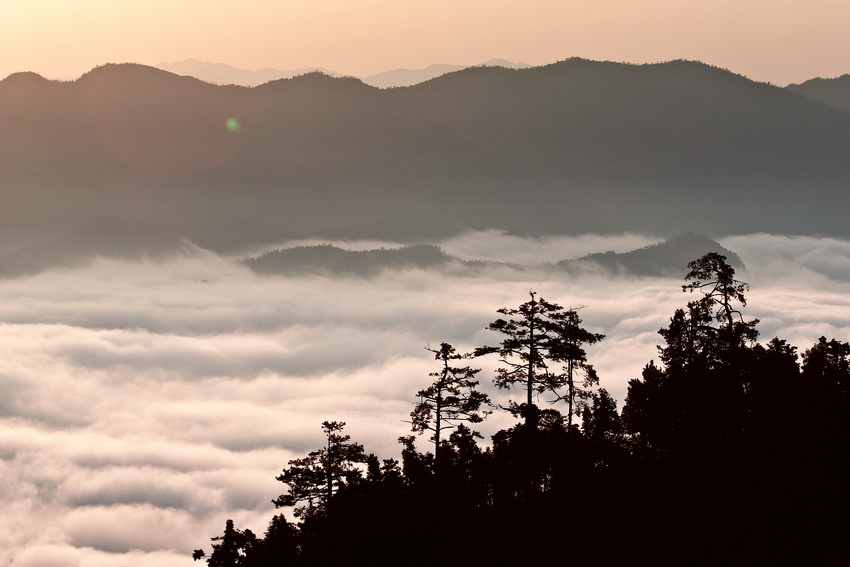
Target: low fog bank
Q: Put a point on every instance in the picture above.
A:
(147, 401)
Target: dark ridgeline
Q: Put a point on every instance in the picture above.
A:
(573, 147)
(110, 237)
(833, 92)
(331, 260)
(661, 259)
(727, 452)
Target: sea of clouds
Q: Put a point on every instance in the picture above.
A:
(146, 402)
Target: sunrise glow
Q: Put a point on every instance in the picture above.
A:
(772, 41)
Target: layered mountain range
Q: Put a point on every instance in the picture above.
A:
(573, 147)
(667, 258)
(222, 74)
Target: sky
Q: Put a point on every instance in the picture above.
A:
(147, 402)
(777, 41)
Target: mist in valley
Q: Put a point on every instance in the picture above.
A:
(146, 400)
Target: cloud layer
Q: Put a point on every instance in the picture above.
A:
(144, 403)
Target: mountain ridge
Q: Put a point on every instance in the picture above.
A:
(834, 92)
(223, 74)
(666, 258)
(229, 75)
(573, 147)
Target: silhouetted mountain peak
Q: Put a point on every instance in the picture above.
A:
(133, 76)
(223, 74)
(675, 71)
(411, 77)
(833, 92)
(843, 80)
(328, 259)
(317, 81)
(113, 71)
(497, 62)
(635, 83)
(25, 79)
(694, 246)
(667, 258)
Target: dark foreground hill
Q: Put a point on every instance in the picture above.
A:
(573, 147)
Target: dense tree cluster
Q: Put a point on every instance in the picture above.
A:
(728, 452)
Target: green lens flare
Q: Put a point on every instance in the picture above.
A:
(233, 124)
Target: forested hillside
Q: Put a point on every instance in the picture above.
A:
(573, 147)
(729, 450)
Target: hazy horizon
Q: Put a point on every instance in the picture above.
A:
(777, 42)
(294, 71)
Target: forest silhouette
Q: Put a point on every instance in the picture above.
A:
(727, 451)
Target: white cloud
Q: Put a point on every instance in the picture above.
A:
(138, 395)
(120, 528)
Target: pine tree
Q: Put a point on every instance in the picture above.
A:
(698, 401)
(314, 479)
(230, 549)
(450, 400)
(538, 337)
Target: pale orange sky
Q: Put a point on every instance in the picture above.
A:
(779, 41)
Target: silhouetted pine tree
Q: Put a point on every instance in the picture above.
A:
(231, 549)
(313, 480)
(696, 404)
(538, 337)
(451, 399)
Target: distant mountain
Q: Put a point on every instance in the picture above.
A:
(410, 77)
(221, 74)
(498, 62)
(667, 258)
(834, 92)
(574, 147)
(331, 260)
